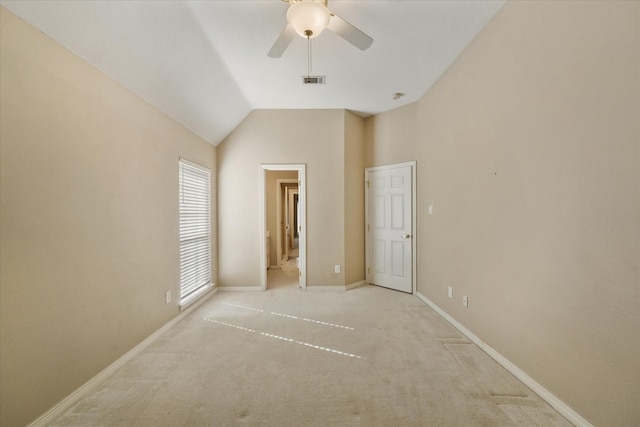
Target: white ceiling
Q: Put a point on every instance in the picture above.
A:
(205, 63)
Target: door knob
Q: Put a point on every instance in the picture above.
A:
(406, 236)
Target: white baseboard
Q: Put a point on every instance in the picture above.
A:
(545, 394)
(355, 285)
(46, 418)
(338, 287)
(239, 288)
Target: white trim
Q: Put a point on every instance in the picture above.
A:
(545, 394)
(57, 410)
(191, 299)
(240, 288)
(414, 219)
(337, 287)
(355, 285)
(302, 203)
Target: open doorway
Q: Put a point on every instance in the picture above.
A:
(286, 258)
(281, 224)
(282, 194)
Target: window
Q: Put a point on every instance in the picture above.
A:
(195, 231)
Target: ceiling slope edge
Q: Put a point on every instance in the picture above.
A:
(129, 43)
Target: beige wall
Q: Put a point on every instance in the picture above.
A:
(390, 137)
(331, 144)
(354, 263)
(528, 149)
(312, 137)
(88, 220)
(271, 183)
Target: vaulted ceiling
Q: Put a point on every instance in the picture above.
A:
(205, 63)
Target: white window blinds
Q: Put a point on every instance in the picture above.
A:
(195, 228)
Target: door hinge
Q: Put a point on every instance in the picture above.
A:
(299, 273)
(368, 185)
(368, 270)
(368, 227)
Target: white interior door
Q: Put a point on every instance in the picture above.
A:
(390, 227)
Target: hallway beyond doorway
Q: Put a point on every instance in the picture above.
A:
(285, 277)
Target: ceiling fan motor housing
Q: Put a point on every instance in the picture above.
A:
(308, 17)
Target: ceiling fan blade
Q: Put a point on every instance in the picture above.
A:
(349, 32)
(283, 41)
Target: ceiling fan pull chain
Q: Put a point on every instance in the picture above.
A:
(308, 56)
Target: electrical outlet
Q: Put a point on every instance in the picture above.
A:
(336, 268)
(167, 297)
(450, 292)
(465, 301)
(430, 209)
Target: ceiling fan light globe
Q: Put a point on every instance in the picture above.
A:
(308, 15)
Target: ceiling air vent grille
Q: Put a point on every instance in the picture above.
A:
(313, 80)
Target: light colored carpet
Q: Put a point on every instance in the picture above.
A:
(365, 357)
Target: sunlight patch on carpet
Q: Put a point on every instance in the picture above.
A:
(291, 340)
(317, 347)
(319, 322)
(243, 306)
(290, 316)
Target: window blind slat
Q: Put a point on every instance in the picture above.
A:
(195, 228)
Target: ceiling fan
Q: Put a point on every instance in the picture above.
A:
(308, 18)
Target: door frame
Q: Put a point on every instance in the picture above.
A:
(302, 201)
(414, 218)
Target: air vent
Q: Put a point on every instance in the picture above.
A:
(313, 80)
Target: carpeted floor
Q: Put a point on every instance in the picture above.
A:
(365, 357)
